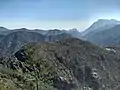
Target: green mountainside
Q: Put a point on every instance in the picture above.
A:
(70, 64)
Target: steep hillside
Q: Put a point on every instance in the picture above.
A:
(16, 39)
(1, 37)
(99, 25)
(75, 33)
(5, 31)
(106, 37)
(70, 64)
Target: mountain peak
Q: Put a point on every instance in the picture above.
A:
(3, 28)
(22, 29)
(101, 23)
(107, 21)
(74, 30)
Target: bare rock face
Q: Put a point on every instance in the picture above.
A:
(21, 55)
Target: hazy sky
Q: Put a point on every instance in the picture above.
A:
(62, 14)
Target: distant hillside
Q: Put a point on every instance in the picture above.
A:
(4, 31)
(15, 40)
(100, 25)
(75, 33)
(1, 37)
(106, 37)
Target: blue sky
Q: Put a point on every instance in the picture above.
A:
(61, 14)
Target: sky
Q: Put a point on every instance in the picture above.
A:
(59, 14)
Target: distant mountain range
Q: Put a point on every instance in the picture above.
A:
(101, 32)
(12, 40)
(16, 39)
